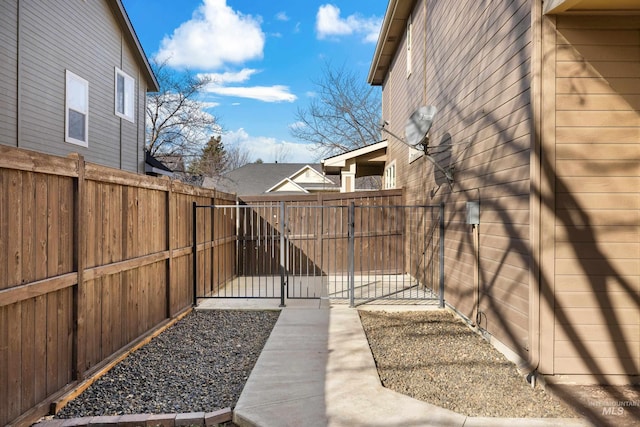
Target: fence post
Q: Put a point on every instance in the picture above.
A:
(441, 292)
(352, 240)
(282, 253)
(79, 291)
(169, 213)
(195, 253)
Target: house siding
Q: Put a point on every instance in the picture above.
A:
(595, 161)
(473, 63)
(90, 47)
(8, 72)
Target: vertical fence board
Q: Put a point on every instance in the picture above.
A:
(66, 217)
(40, 349)
(28, 227)
(4, 364)
(14, 231)
(28, 354)
(105, 327)
(4, 256)
(14, 365)
(52, 342)
(40, 234)
(53, 231)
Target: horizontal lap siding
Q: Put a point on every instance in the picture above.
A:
(597, 241)
(477, 75)
(86, 39)
(8, 69)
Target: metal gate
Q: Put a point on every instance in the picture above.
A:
(355, 253)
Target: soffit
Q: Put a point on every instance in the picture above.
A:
(393, 27)
(591, 6)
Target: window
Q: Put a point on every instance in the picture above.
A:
(409, 47)
(390, 176)
(76, 115)
(125, 95)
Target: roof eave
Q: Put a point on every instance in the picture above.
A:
(397, 10)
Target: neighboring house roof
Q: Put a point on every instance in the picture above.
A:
(155, 166)
(261, 178)
(121, 15)
(369, 160)
(175, 162)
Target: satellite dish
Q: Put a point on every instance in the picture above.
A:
(418, 124)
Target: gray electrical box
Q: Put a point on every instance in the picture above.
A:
(473, 213)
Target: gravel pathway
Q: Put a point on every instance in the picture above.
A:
(434, 357)
(199, 364)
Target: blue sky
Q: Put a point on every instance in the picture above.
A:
(262, 56)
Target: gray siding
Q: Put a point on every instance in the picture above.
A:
(8, 72)
(86, 39)
(476, 70)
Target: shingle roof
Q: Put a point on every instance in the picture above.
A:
(257, 178)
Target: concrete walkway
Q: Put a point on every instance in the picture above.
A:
(316, 369)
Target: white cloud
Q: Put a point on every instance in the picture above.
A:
(266, 148)
(276, 93)
(282, 16)
(297, 125)
(215, 35)
(329, 23)
(220, 79)
(219, 86)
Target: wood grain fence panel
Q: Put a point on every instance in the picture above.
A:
(133, 259)
(4, 230)
(106, 325)
(92, 322)
(4, 363)
(65, 337)
(28, 355)
(40, 226)
(116, 313)
(40, 349)
(14, 228)
(14, 362)
(28, 227)
(52, 343)
(66, 242)
(108, 219)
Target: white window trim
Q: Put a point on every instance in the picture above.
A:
(390, 176)
(74, 78)
(409, 42)
(129, 96)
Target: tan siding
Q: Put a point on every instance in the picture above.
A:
(597, 244)
(477, 74)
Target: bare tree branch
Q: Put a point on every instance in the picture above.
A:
(177, 122)
(344, 116)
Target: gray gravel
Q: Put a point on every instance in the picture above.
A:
(200, 364)
(435, 357)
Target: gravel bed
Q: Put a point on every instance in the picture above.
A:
(200, 364)
(434, 357)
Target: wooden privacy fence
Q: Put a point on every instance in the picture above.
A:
(91, 260)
